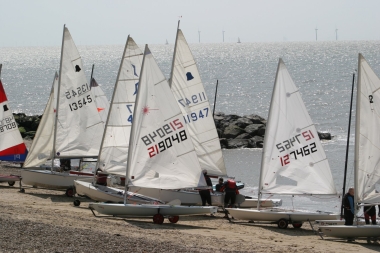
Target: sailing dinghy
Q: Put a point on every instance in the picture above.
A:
(367, 155)
(12, 147)
(160, 154)
(113, 153)
(188, 90)
(293, 160)
(70, 130)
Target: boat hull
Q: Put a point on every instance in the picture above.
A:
(274, 215)
(9, 178)
(50, 179)
(336, 222)
(108, 194)
(252, 203)
(149, 210)
(341, 231)
(187, 197)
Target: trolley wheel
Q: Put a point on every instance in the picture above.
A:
(158, 219)
(70, 192)
(297, 224)
(173, 219)
(22, 190)
(77, 202)
(283, 223)
(11, 183)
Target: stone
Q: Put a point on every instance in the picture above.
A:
(237, 143)
(232, 131)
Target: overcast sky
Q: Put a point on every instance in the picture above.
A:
(106, 22)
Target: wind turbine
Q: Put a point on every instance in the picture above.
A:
(336, 33)
(316, 34)
(223, 35)
(199, 35)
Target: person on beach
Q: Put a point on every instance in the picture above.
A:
(205, 194)
(231, 190)
(370, 211)
(348, 205)
(219, 186)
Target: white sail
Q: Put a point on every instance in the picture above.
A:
(12, 146)
(79, 128)
(101, 101)
(114, 152)
(367, 137)
(42, 146)
(187, 87)
(293, 160)
(161, 153)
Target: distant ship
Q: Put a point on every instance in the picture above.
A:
(238, 40)
(167, 43)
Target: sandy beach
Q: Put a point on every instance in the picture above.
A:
(42, 220)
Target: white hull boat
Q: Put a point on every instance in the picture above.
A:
(336, 222)
(51, 179)
(342, 231)
(156, 211)
(281, 217)
(103, 193)
(252, 202)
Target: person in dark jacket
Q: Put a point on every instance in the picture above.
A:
(219, 186)
(231, 190)
(370, 212)
(205, 194)
(348, 206)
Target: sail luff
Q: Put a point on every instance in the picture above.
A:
(131, 147)
(357, 135)
(174, 54)
(58, 95)
(266, 136)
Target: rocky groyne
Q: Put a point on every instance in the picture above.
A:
(234, 131)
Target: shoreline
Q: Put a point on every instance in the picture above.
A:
(41, 220)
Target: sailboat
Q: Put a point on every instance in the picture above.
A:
(71, 127)
(166, 43)
(367, 157)
(160, 154)
(293, 159)
(113, 152)
(238, 40)
(188, 90)
(12, 147)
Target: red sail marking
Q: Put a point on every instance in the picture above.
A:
(3, 97)
(15, 150)
(100, 109)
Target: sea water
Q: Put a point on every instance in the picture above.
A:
(321, 70)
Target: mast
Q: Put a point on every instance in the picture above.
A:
(111, 103)
(173, 61)
(266, 135)
(347, 146)
(129, 160)
(92, 72)
(1, 66)
(357, 133)
(216, 92)
(59, 88)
